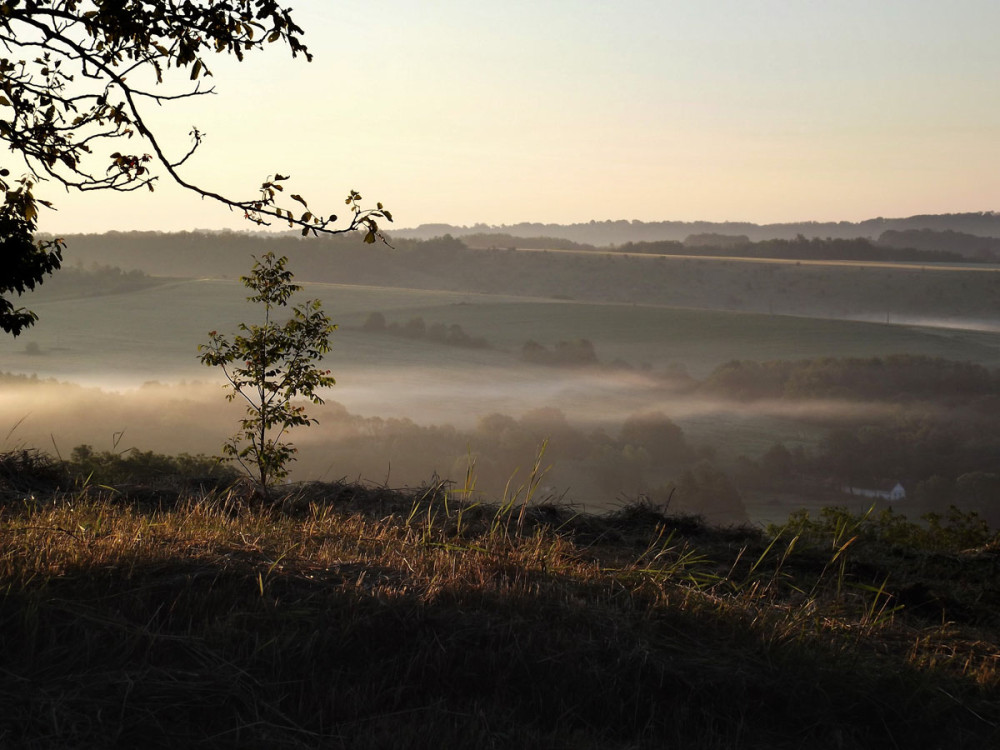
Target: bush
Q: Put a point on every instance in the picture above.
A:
(144, 467)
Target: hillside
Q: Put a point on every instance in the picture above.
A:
(889, 292)
(360, 617)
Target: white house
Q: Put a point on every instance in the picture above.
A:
(896, 494)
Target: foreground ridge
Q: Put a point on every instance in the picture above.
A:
(346, 615)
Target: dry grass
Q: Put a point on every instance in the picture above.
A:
(360, 617)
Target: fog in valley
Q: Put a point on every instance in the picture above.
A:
(439, 433)
(737, 387)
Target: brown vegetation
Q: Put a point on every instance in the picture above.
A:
(348, 616)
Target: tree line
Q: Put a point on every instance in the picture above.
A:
(417, 328)
(896, 377)
(798, 248)
(616, 232)
(971, 246)
(934, 430)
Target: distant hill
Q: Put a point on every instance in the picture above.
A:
(604, 233)
(975, 247)
(638, 273)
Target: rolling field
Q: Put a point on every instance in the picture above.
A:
(124, 340)
(121, 341)
(154, 333)
(701, 339)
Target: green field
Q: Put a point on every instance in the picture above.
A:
(154, 333)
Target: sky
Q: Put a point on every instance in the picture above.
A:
(559, 112)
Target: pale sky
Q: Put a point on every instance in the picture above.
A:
(559, 111)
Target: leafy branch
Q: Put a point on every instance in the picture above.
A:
(76, 86)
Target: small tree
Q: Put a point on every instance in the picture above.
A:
(269, 366)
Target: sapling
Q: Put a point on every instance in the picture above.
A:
(272, 367)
